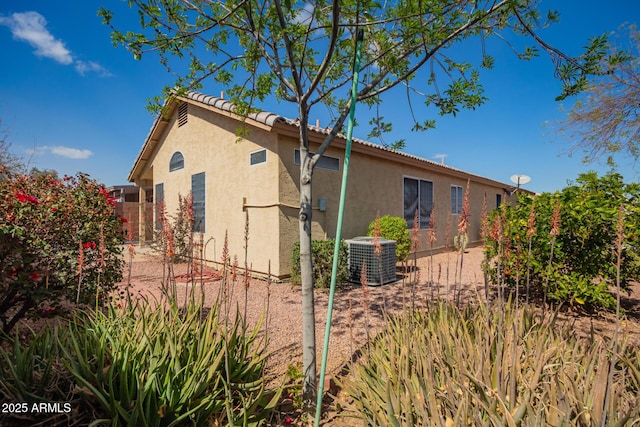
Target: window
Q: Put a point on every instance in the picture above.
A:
(176, 162)
(198, 193)
(324, 162)
(456, 199)
(183, 114)
(418, 195)
(258, 157)
(159, 196)
(498, 200)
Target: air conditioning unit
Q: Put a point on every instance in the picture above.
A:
(381, 268)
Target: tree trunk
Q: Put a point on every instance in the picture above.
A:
(306, 277)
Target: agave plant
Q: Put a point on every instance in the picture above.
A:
(145, 365)
(166, 367)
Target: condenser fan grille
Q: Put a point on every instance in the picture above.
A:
(380, 268)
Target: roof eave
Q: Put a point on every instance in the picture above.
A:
(274, 122)
(318, 134)
(158, 127)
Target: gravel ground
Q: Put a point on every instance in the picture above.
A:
(350, 320)
(356, 310)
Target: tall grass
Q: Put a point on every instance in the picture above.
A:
(450, 366)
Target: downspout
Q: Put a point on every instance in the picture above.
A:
(336, 250)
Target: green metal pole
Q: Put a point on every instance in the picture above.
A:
(343, 196)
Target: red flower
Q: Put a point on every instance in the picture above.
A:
(288, 420)
(34, 276)
(123, 219)
(54, 209)
(26, 198)
(104, 192)
(89, 245)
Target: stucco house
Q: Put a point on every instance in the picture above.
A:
(194, 148)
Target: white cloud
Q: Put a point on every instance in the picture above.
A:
(69, 152)
(83, 67)
(35, 151)
(30, 27)
(59, 150)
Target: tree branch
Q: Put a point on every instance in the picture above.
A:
(335, 19)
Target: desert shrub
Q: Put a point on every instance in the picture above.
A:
(583, 265)
(394, 228)
(143, 364)
(175, 236)
(322, 259)
(486, 367)
(59, 239)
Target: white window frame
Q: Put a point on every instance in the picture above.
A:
(319, 165)
(199, 205)
(456, 205)
(266, 156)
(173, 168)
(158, 197)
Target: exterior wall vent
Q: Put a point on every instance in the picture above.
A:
(381, 269)
(183, 114)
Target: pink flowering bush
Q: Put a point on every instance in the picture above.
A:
(59, 240)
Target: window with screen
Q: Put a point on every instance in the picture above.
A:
(324, 162)
(158, 194)
(198, 194)
(456, 199)
(258, 157)
(418, 196)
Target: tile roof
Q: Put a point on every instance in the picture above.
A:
(263, 117)
(270, 119)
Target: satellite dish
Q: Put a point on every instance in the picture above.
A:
(520, 179)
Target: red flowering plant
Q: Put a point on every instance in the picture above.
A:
(51, 243)
(570, 238)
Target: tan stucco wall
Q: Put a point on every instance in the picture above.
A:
(326, 184)
(209, 144)
(375, 186)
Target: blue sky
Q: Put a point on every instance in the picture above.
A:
(73, 102)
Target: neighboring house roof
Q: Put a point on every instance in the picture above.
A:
(270, 120)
